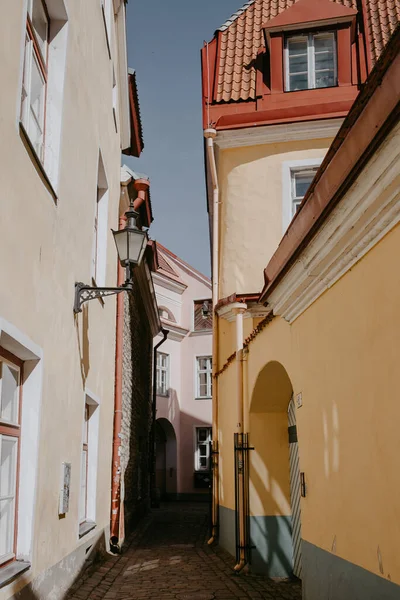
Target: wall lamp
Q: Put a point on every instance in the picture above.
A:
(205, 309)
(131, 244)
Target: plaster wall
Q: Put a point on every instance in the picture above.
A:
(251, 182)
(45, 246)
(340, 355)
(181, 407)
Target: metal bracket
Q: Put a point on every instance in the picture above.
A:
(84, 293)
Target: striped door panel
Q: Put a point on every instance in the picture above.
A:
(295, 490)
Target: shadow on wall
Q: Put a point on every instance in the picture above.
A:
(166, 459)
(270, 506)
(83, 344)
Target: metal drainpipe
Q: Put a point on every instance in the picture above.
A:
(117, 532)
(165, 333)
(239, 429)
(210, 135)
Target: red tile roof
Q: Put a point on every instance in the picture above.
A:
(382, 17)
(241, 37)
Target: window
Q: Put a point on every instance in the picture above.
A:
(34, 80)
(162, 374)
(89, 459)
(202, 315)
(10, 368)
(99, 259)
(165, 313)
(84, 468)
(204, 377)
(310, 61)
(300, 181)
(203, 447)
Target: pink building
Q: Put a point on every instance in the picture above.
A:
(183, 379)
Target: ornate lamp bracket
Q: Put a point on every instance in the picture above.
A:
(84, 293)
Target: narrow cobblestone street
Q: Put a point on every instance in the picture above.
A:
(168, 559)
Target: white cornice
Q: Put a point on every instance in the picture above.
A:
(286, 132)
(253, 311)
(176, 333)
(169, 284)
(368, 211)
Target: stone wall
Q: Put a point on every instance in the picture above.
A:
(136, 408)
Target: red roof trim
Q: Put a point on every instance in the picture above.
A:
(137, 143)
(308, 11)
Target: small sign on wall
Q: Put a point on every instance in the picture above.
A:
(65, 488)
(299, 400)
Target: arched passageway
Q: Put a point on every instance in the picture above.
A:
(275, 527)
(166, 459)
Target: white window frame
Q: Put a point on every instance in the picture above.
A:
(288, 167)
(92, 402)
(56, 68)
(166, 370)
(17, 343)
(209, 382)
(197, 466)
(309, 37)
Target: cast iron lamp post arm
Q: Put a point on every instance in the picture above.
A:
(84, 293)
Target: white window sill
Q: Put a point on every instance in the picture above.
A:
(36, 161)
(12, 570)
(203, 398)
(85, 527)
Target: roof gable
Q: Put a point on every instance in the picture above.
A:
(309, 11)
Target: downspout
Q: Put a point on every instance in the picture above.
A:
(210, 135)
(154, 502)
(239, 429)
(117, 532)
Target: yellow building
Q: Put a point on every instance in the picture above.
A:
(305, 397)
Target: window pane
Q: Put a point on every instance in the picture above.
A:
(36, 101)
(7, 508)
(302, 182)
(8, 466)
(298, 63)
(9, 393)
(8, 471)
(25, 82)
(40, 25)
(298, 82)
(202, 435)
(203, 462)
(203, 450)
(324, 48)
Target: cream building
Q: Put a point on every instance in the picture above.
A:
(64, 120)
(304, 211)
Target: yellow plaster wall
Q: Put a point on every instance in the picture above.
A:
(227, 427)
(342, 355)
(251, 209)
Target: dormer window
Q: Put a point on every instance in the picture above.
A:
(310, 61)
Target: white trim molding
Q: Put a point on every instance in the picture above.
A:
(169, 284)
(367, 212)
(285, 132)
(287, 168)
(252, 311)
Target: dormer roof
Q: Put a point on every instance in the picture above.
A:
(240, 38)
(310, 13)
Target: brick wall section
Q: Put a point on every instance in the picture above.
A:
(136, 408)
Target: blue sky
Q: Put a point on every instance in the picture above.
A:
(164, 41)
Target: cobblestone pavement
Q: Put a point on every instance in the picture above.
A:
(167, 558)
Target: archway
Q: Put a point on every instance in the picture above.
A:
(166, 459)
(274, 475)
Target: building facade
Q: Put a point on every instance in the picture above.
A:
(67, 112)
(287, 165)
(183, 379)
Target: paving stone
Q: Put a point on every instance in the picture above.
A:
(167, 558)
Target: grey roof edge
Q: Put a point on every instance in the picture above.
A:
(133, 174)
(235, 16)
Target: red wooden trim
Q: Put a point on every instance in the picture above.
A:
(42, 61)
(277, 63)
(343, 38)
(11, 357)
